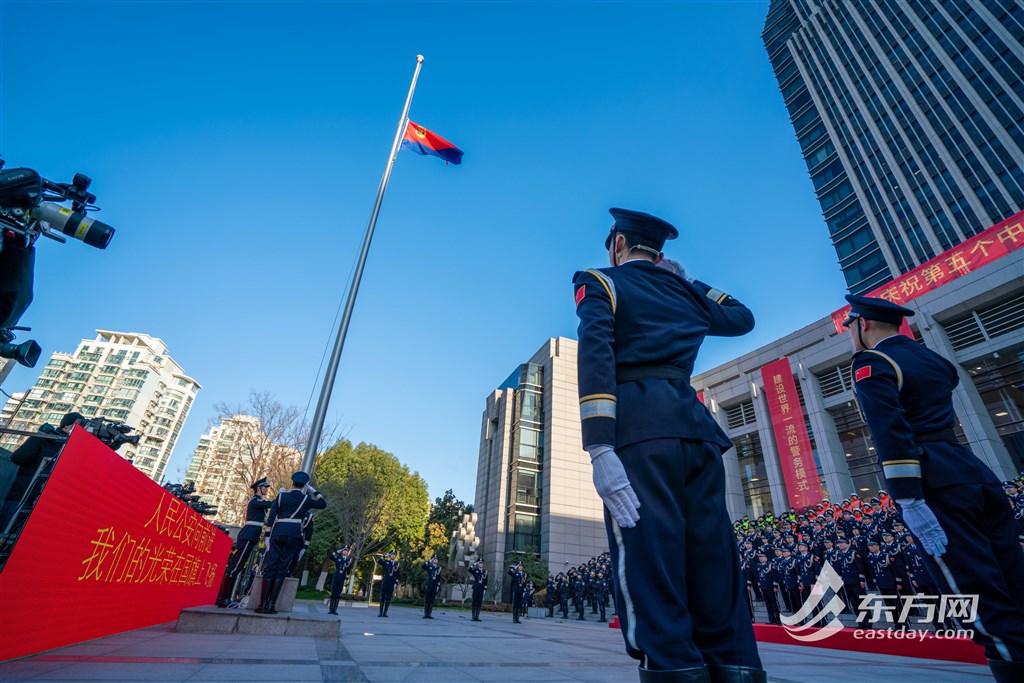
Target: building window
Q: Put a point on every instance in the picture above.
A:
(753, 474)
(861, 458)
(1000, 381)
(740, 415)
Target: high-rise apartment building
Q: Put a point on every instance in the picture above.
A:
(127, 377)
(910, 116)
(218, 465)
(534, 483)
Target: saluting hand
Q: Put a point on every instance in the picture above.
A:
(613, 486)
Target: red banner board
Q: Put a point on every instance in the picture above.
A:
(982, 249)
(105, 550)
(799, 470)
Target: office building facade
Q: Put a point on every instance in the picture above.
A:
(910, 117)
(534, 482)
(124, 376)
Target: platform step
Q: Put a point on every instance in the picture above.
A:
(228, 621)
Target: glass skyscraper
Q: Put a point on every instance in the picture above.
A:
(910, 116)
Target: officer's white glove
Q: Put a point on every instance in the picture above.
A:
(674, 267)
(311, 491)
(613, 486)
(922, 522)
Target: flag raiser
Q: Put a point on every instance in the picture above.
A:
(422, 141)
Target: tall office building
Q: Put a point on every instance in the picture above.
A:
(534, 483)
(217, 466)
(910, 115)
(127, 377)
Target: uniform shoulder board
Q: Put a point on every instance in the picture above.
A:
(604, 281)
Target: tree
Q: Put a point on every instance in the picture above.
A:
(447, 511)
(374, 502)
(270, 439)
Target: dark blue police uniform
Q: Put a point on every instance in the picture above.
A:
(430, 590)
(905, 393)
(678, 580)
(342, 566)
(389, 568)
(247, 541)
(286, 537)
(479, 575)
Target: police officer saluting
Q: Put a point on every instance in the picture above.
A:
(951, 501)
(285, 524)
(248, 539)
(657, 458)
(479, 575)
(389, 568)
(342, 559)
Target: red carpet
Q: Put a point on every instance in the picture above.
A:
(945, 649)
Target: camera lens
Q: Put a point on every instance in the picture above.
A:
(74, 224)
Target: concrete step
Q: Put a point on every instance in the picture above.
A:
(228, 621)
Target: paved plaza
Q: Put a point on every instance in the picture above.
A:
(449, 648)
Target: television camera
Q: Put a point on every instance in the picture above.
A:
(187, 494)
(113, 434)
(30, 208)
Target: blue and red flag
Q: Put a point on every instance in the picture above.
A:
(422, 141)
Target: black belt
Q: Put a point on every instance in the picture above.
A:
(938, 435)
(635, 372)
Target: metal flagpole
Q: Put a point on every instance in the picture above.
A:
(339, 343)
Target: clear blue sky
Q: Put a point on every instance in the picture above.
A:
(237, 149)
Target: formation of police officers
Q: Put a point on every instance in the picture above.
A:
(866, 542)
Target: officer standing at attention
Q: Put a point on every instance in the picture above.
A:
(433, 570)
(342, 559)
(479, 575)
(248, 539)
(285, 524)
(657, 458)
(389, 568)
(951, 501)
(518, 578)
(552, 595)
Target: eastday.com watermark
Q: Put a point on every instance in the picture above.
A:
(905, 634)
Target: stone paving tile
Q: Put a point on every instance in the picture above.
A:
(23, 670)
(105, 671)
(261, 672)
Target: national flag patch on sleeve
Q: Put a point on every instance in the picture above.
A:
(862, 373)
(580, 293)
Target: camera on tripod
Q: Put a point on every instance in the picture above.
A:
(29, 208)
(113, 434)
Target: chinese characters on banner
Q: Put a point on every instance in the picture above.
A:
(980, 250)
(799, 469)
(111, 550)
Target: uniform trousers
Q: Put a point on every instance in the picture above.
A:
(983, 557)
(279, 556)
(478, 599)
(678, 581)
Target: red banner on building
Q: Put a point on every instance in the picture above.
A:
(799, 469)
(105, 550)
(980, 250)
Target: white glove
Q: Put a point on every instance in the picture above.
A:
(613, 486)
(674, 267)
(311, 491)
(922, 522)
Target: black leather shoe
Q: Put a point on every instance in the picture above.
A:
(737, 674)
(1006, 672)
(695, 675)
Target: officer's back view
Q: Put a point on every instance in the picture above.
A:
(656, 453)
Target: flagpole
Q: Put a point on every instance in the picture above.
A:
(332, 368)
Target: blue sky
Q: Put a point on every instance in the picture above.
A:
(237, 149)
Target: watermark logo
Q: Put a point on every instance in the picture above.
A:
(825, 621)
(888, 615)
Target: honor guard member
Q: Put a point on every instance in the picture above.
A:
(248, 539)
(479, 575)
(850, 566)
(342, 559)
(518, 578)
(657, 457)
(285, 524)
(768, 583)
(528, 590)
(950, 500)
(307, 538)
(563, 595)
(433, 570)
(389, 569)
(552, 595)
(601, 589)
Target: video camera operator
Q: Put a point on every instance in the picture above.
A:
(28, 456)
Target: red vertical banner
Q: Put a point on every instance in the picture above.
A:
(799, 470)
